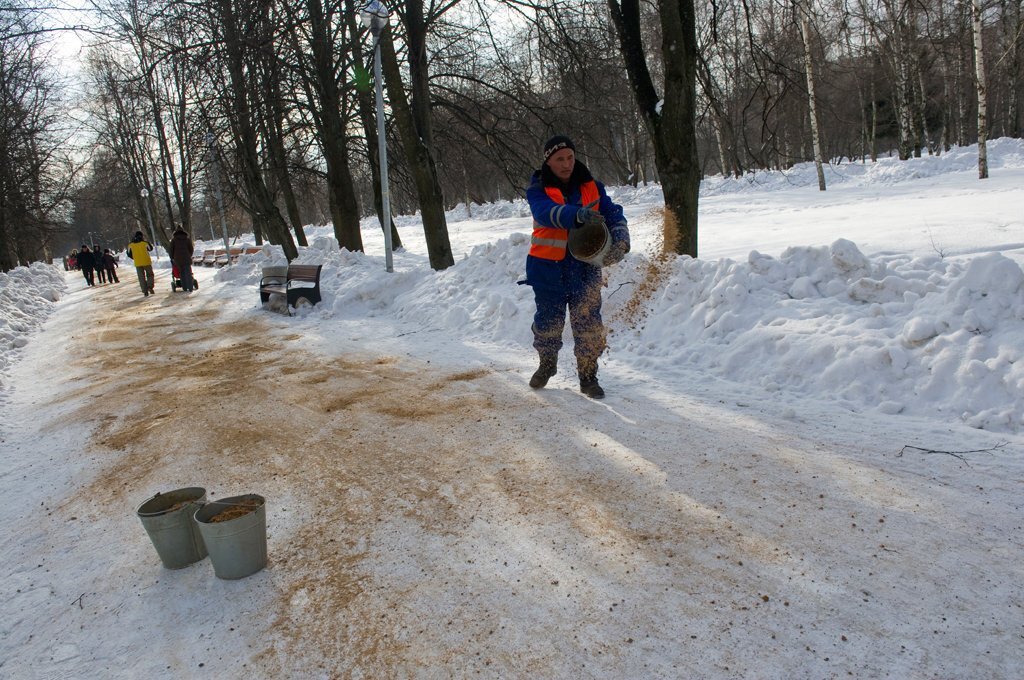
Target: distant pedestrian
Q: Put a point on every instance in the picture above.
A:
(110, 264)
(138, 251)
(101, 269)
(86, 262)
(181, 256)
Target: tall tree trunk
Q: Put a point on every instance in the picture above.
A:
(899, 54)
(861, 103)
(922, 103)
(961, 105)
(273, 127)
(670, 119)
(419, 158)
(719, 119)
(419, 73)
(333, 135)
(805, 29)
(263, 208)
(979, 64)
(368, 118)
(167, 171)
(1015, 36)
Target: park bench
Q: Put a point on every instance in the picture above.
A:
(209, 258)
(302, 281)
(197, 257)
(221, 259)
(238, 252)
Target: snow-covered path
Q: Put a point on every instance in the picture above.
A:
(436, 518)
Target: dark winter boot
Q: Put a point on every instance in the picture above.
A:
(588, 379)
(590, 387)
(548, 367)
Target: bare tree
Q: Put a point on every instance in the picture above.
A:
(422, 160)
(419, 158)
(671, 117)
(804, 12)
(35, 171)
(979, 66)
(241, 31)
(318, 39)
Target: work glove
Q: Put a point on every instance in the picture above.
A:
(587, 216)
(615, 253)
(619, 246)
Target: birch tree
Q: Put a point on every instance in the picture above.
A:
(979, 68)
(804, 11)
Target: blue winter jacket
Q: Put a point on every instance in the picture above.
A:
(569, 274)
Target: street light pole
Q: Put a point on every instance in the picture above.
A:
(209, 218)
(375, 14)
(149, 217)
(211, 145)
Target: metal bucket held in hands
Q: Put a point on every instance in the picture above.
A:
(590, 243)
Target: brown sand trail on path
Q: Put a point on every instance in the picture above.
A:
(419, 517)
(219, 404)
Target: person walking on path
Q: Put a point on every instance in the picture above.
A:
(138, 251)
(86, 262)
(101, 269)
(181, 256)
(564, 196)
(110, 264)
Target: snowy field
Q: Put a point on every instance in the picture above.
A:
(809, 462)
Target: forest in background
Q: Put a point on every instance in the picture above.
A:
(260, 114)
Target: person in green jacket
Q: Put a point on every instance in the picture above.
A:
(138, 251)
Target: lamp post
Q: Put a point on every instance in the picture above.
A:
(124, 219)
(149, 217)
(374, 15)
(211, 145)
(209, 218)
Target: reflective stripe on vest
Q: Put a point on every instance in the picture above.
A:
(550, 243)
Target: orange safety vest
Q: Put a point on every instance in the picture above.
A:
(550, 243)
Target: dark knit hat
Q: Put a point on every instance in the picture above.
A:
(557, 143)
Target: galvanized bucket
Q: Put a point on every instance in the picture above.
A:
(167, 518)
(590, 243)
(234, 530)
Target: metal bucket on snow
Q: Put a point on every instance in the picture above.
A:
(167, 518)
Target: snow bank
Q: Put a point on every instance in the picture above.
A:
(921, 336)
(27, 297)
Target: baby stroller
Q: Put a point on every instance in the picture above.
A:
(176, 280)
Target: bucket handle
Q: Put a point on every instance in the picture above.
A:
(197, 501)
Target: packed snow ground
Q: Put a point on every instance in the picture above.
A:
(892, 303)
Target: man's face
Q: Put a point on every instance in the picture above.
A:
(561, 163)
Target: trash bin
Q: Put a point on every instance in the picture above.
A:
(234, 530)
(167, 518)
